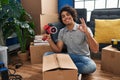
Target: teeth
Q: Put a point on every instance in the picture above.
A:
(67, 20)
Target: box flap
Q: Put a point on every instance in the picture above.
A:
(50, 62)
(55, 61)
(65, 61)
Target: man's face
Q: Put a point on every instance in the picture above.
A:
(67, 19)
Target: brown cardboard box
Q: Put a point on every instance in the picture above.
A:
(59, 67)
(45, 19)
(37, 51)
(110, 60)
(37, 7)
(49, 6)
(41, 6)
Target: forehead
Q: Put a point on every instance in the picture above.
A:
(65, 12)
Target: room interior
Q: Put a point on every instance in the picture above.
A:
(103, 21)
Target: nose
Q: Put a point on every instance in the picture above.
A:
(65, 17)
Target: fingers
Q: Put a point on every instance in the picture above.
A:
(45, 37)
(80, 27)
(82, 20)
(83, 25)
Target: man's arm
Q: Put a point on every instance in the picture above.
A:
(55, 47)
(94, 46)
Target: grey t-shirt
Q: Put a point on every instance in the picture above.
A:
(75, 40)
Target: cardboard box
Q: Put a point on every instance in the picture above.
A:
(45, 19)
(110, 60)
(33, 7)
(49, 6)
(37, 51)
(59, 67)
(41, 6)
(37, 7)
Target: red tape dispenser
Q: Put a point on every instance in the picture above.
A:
(50, 29)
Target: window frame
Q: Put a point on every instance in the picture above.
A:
(88, 11)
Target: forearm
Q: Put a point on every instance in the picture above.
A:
(54, 46)
(94, 46)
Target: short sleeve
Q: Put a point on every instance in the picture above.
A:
(90, 31)
(60, 35)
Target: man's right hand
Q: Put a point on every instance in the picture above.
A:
(46, 37)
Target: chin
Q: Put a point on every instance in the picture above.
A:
(68, 23)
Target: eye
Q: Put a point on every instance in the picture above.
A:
(68, 14)
(62, 16)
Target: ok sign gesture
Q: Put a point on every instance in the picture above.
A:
(83, 26)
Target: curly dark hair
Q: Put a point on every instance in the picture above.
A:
(70, 10)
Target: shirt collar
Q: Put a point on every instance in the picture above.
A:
(74, 28)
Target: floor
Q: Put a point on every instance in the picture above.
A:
(30, 71)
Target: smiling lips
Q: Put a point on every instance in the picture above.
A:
(67, 20)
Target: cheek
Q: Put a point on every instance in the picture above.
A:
(63, 20)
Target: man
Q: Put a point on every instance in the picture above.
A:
(78, 38)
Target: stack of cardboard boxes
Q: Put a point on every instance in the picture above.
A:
(42, 12)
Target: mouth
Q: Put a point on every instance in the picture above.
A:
(67, 20)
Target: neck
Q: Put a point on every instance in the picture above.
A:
(70, 26)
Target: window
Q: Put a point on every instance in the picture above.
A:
(89, 5)
(99, 4)
(112, 4)
(96, 4)
(79, 4)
